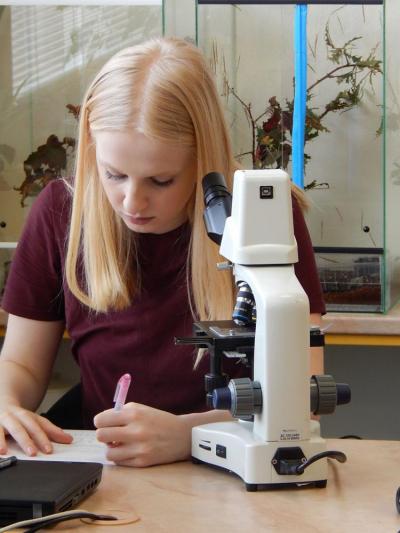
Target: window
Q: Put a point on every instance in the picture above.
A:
(50, 41)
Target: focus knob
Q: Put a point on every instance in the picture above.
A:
(242, 397)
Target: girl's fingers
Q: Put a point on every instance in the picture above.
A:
(55, 433)
(18, 432)
(31, 432)
(34, 429)
(107, 435)
(3, 444)
(112, 418)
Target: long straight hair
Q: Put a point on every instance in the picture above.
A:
(165, 90)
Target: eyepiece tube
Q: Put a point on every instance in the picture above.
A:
(218, 205)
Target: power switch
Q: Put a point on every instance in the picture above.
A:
(220, 451)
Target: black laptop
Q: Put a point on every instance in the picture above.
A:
(32, 489)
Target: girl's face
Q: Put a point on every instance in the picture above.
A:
(148, 183)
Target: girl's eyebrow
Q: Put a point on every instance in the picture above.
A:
(110, 167)
(115, 171)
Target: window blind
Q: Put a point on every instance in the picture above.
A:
(50, 41)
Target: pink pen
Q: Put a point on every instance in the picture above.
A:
(121, 391)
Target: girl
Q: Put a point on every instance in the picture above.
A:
(120, 258)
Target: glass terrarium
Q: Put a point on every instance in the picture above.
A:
(352, 160)
(351, 279)
(48, 56)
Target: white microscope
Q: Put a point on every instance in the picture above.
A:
(273, 441)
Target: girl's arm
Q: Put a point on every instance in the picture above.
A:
(26, 362)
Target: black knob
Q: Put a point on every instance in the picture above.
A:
(343, 393)
(3, 224)
(221, 398)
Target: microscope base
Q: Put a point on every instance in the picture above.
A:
(232, 446)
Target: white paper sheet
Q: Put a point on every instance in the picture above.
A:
(84, 448)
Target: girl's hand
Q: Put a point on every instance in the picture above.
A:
(139, 435)
(32, 432)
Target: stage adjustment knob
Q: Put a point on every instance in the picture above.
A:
(325, 394)
(242, 397)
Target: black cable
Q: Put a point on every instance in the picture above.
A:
(79, 514)
(333, 454)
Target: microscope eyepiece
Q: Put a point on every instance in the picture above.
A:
(214, 186)
(218, 205)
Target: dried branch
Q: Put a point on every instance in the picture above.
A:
(271, 142)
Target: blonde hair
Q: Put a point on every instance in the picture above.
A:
(164, 89)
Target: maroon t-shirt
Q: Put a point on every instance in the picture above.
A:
(139, 339)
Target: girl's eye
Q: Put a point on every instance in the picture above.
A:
(116, 177)
(160, 183)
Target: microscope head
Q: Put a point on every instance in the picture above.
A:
(260, 228)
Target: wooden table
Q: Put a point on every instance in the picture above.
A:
(187, 498)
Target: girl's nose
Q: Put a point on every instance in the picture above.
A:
(135, 198)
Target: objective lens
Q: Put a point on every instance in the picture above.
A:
(244, 311)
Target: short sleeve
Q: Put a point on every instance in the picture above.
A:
(306, 268)
(34, 287)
